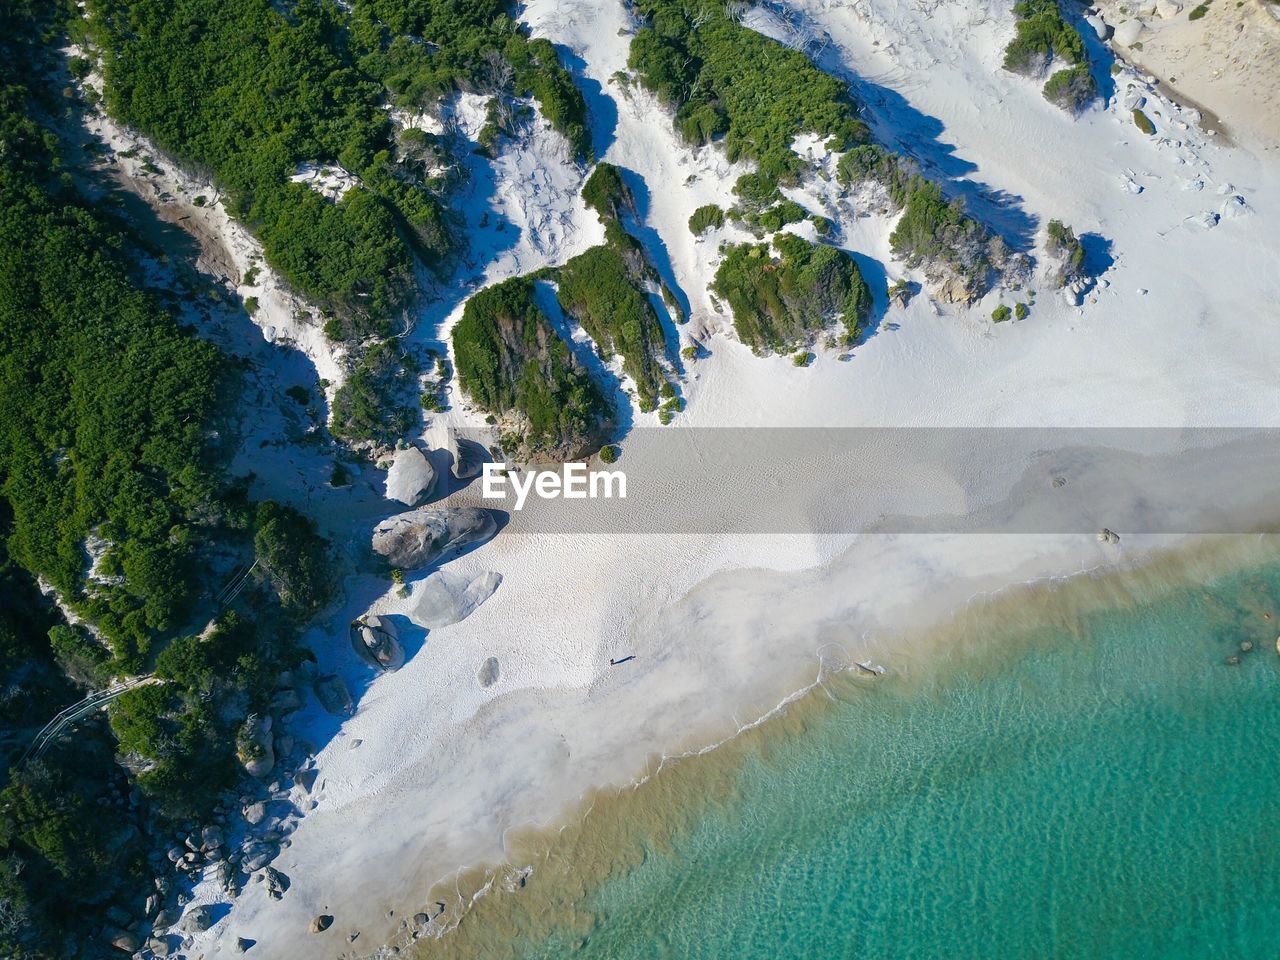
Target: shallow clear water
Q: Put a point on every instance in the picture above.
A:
(1115, 793)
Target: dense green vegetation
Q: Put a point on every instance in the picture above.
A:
(1143, 123)
(724, 79)
(780, 303)
(308, 84)
(375, 401)
(604, 289)
(934, 232)
(1043, 36)
(107, 410)
(601, 290)
(104, 403)
(512, 363)
(706, 218)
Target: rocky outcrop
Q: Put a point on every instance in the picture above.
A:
(333, 695)
(411, 479)
(375, 641)
(468, 456)
(446, 598)
(321, 923)
(254, 747)
(197, 920)
(420, 538)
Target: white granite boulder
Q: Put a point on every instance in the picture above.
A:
(410, 541)
(445, 598)
(411, 479)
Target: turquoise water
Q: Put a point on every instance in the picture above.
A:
(1115, 793)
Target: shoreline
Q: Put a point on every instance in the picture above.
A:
(491, 909)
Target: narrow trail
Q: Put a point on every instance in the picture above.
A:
(81, 709)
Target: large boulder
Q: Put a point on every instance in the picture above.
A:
(411, 479)
(333, 695)
(419, 538)
(1127, 33)
(254, 747)
(445, 598)
(197, 920)
(374, 639)
(468, 456)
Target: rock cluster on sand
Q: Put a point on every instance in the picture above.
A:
(419, 538)
(411, 479)
(374, 639)
(445, 598)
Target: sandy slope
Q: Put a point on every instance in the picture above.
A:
(1225, 61)
(1181, 332)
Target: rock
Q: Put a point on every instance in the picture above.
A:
(211, 836)
(1098, 25)
(1127, 33)
(284, 745)
(333, 694)
(277, 883)
(123, 940)
(159, 946)
(488, 672)
(243, 944)
(1233, 661)
(1246, 646)
(445, 598)
(375, 641)
(257, 854)
(255, 812)
(411, 479)
(305, 780)
(321, 923)
(419, 538)
(165, 919)
(468, 456)
(286, 701)
(153, 905)
(1168, 9)
(421, 918)
(1134, 99)
(254, 747)
(1108, 536)
(175, 854)
(198, 920)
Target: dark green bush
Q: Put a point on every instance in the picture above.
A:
(705, 218)
(779, 304)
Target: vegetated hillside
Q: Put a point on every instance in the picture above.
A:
(107, 408)
(724, 79)
(513, 364)
(780, 303)
(246, 91)
(604, 290)
(1043, 37)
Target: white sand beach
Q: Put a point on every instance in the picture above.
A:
(434, 768)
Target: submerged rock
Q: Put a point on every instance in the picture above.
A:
(419, 538)
(375, 641)
(411, 479)
(446, 598)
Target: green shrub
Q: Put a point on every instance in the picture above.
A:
(1071, 89)
(605, 192)
(375, 401)
(723, 78)
(609, 453)
(1042, 36)
(511, 361)
(1021, 311)
(1063, 245)
(1001, 313)
(779, 304)
(706, 218)
(1198, 12)
(1143, 123)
